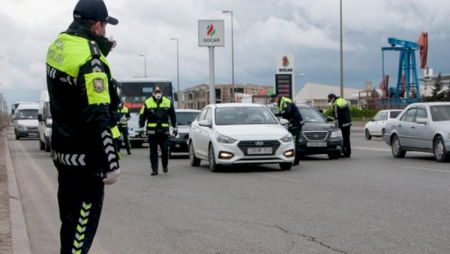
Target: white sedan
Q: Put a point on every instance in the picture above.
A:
(377, 126)
(232, 134)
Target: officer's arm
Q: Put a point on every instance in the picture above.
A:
(285, 110)
(173, 116)
(142, 116)
(128, 116)
(95, 90)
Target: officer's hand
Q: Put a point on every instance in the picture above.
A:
(112, 177)
(175, 131)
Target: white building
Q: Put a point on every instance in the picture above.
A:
(317, 94)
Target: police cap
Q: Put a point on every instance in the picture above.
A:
(93, 10)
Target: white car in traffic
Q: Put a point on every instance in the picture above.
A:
(377, 126)
(233, 134)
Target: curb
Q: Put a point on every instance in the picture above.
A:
(20, 240)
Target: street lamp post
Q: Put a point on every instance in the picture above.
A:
(342, 57)
(232, 57)
(178, 75)
(145, 65)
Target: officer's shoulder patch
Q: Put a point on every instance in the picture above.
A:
(95, 50)
(99, 85)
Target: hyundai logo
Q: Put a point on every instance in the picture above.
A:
(316, 136)
(259, 143)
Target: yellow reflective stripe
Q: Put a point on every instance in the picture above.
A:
(115, 132)
(142, 110)
(165, 125)
(151, 125)
(97, 88)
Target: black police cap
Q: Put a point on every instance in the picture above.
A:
(93, 10)
(331, 95)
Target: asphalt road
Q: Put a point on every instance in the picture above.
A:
(370, 203)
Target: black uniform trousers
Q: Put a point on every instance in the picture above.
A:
(346, 150)
(124, 130)
(162, 140)
(80, 198)
(296, 132)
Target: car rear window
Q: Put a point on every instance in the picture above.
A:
(440, 113)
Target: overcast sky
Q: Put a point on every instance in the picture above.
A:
(308, 29)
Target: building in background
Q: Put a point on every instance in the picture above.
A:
(317, 94)
(197, 97)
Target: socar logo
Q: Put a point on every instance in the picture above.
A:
(211, 31)
(285, 61)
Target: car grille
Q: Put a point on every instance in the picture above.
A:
(315, 135)
(32, 128)
(243, 145)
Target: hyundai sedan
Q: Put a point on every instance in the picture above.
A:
(236, 134)
(423, 127)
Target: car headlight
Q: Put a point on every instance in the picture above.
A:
(22, 127)
(224, 139)
(336, 134)
(287, 138)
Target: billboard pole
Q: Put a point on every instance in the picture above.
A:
(212, 89)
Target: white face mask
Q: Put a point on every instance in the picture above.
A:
(158, 96)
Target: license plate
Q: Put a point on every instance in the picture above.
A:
(259, 150)
(316, 144)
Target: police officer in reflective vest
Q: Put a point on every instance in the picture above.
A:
(341, 113)
(157, 111)
(124, 115)
(78, 82)
(290, 112)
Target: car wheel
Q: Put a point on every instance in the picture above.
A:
(286, 166)
(195, 162)
(368, 136)
(334, 155)
(213, 166)
(440, 153)
(41, 145)
(47, 145)
(396, 147)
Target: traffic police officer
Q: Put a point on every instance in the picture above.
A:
(157, 111)
(78, 82)
(289, 111)
(341, 113)
(124, 115)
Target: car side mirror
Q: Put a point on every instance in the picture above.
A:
(205, 123)
(40, 118)
(330, 119)
(284, 121)
(175, 96)
(421, 120)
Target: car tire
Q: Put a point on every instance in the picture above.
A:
(195, 162)
(47, 145)
(440, 153)
(213, 166)
(286, 166)
(396, 148)
(334, 155)
(41, 145)
(136, 144)
(368, 136)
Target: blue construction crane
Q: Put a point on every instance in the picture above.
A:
(407, 73)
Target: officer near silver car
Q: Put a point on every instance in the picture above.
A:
(289, 111)
(159, 113)
(124, 116)
(341, 113)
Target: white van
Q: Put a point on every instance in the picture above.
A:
(45, 122)
(26, 120)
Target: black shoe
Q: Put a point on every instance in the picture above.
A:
(154, 173)
(129, 152)
(295, 164)
(347, 156)
(165, 169)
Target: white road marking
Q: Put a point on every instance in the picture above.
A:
(371, 148)
(428, 169)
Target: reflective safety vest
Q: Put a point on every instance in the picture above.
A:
(284, 99)
(341, 112)
(157, 114)
(115, 132)
(123, 116)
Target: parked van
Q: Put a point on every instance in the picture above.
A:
(45, 122)
(26, 120)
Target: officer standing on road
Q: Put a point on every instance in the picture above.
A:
(341, 113)
(290, 112)
(78, 81)
(124, 115)
(156, 111)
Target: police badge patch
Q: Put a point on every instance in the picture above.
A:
(99, 85)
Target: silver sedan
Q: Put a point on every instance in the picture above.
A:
(423, 127)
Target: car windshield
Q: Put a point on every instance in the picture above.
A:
(440, 113)
(28, 114)
(311, 115)
(186, 118)
(244, 115)
(394, 114)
